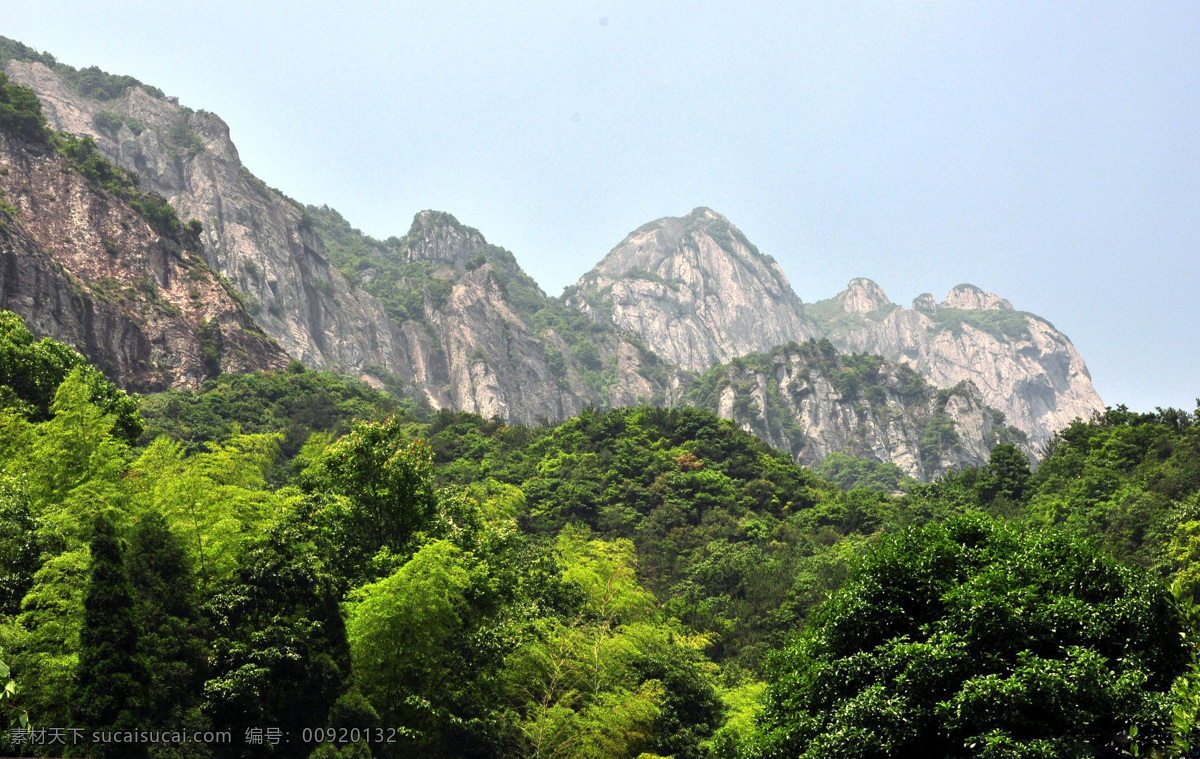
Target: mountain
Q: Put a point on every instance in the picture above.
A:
(253, 236)
(695, 290)
(441, 315)
(486, 338)
(1020, 363)
(90, 260)
(444, 330)
(811, 401)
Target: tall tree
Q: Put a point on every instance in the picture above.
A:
(388, 480)
(164, 591)
(112, 678)
(280, 657)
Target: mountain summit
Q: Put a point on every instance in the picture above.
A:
(695, 290)
(1020, 363)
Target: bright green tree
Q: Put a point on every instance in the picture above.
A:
(400, 629)
(213, 499)
(32, 370)
(388, 480)
(43, 640)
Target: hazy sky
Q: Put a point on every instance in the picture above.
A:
(1048, 152)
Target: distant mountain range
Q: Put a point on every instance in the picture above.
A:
(684, 310)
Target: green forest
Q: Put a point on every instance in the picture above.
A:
(295, 565)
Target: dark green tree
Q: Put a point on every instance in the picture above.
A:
(1005, 476)
(20, 111)
(691, 709)
(20, 548)
(112, 679)
(164, 589)
(970, 639)
(280, 657)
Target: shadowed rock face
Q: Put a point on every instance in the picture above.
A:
(695, 291)
(82, 267)
(1019, 362)
(253, 236)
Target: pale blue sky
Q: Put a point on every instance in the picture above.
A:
(1047, 152)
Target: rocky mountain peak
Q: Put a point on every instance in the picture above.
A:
(862, 296)
(695, 290)
(969, 297)
(924, 302)
(439, 238)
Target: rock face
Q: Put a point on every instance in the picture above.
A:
(83, 267)
(480, 334)
(466, 345)
(811, 401)
(253, 236)
(695, 290)
(1019, 362)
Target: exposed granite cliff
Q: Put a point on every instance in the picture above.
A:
(810, 400)
(695, 290)
(253, 236)
(462, 342)
(484, 336)
(1019, 362)
(442, 315)
(80, 265)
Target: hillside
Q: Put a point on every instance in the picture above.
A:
(1020, 363)
(811, 401)
(441, 316)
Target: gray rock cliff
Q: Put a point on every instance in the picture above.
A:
(80, 265)
(1019, 362)
(812, 401)
(695, 290)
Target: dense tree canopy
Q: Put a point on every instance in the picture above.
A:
(293, 551)
(974, 639)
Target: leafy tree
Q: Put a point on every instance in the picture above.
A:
(849, 473)
(399, 629)
(280, 656)
(21, 112)
(388, 480)
(44, 639)
(74, 464)
(973, 639)
(214, 499)
(31, 372)
(295, 403)
(1006, 476)
(20, 547)
(112, 678)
